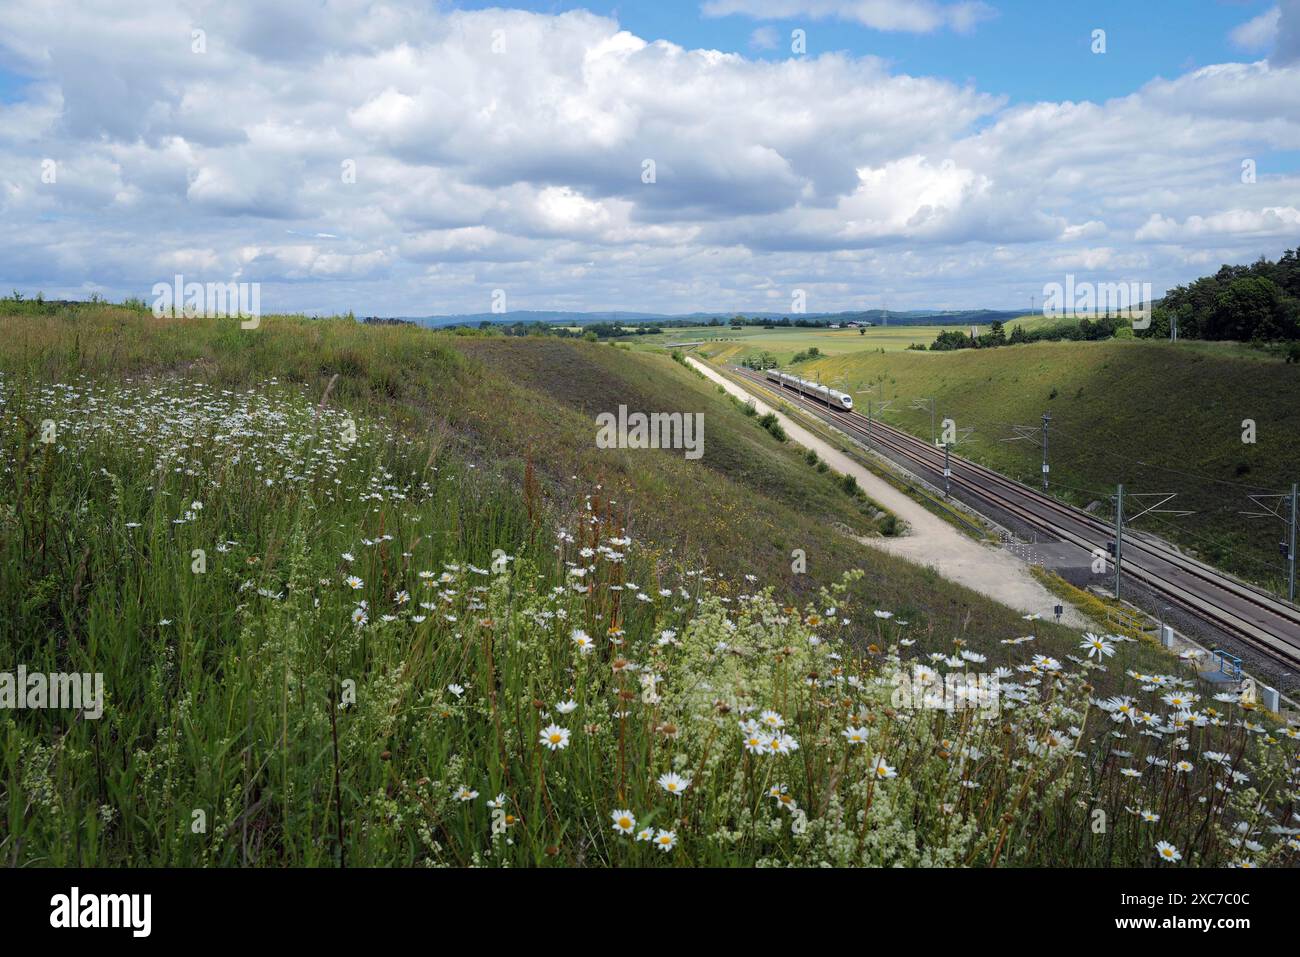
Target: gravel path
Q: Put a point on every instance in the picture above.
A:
(930, 540)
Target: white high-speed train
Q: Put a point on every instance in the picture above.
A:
(836, 400)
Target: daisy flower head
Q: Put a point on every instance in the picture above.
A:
(554, 737)
(1096, 646)
(1167, 852)
(674, 783)
(624, 821)
(883, 770)
(666, 840)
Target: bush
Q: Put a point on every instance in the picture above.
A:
(773, 425)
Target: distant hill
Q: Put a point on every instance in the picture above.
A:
(913, 317)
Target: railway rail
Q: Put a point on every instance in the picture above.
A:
(1257, 618)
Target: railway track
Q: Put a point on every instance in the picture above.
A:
(1241, 610)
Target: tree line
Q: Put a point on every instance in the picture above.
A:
(1255, 303)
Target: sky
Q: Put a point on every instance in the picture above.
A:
(422, 158)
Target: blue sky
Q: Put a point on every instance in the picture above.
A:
(1030, 50)
(970, 154)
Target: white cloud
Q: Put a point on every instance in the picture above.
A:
(1279, 221)
(523, 169)
(1257, 34)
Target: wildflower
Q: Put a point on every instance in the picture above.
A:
(565, 707)
(347, 557)
(782, 744)
(1095, 646)
(673, 783)
(554, 737)
(883, 770)
(772, 719)
(465, 794)
(456, 689)
(1149, 816)
(855, 735)
(583, 641)
(666, 840)
(1167, 852)
(784, 799)
(355, 583)
(645, 834)
(623, 821)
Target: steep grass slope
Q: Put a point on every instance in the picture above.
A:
(1154, 416)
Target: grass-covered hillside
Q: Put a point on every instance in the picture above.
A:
(518, 407)
(1156, 416)
(372, 596)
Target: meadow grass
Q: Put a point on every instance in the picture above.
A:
(723, 342)
(512, 404)
(330, 635)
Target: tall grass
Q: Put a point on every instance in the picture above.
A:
(389, 655)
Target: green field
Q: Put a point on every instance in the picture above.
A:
(1155, 416)
(373, 596)
(726, 343)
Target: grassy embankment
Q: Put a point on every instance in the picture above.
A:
(338, 612)
(1154, 416)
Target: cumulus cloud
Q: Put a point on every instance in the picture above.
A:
(1279, 221)
(1257, 34)
(401, 159)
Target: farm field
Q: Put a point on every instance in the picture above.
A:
(722, 342)
(371, 595)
